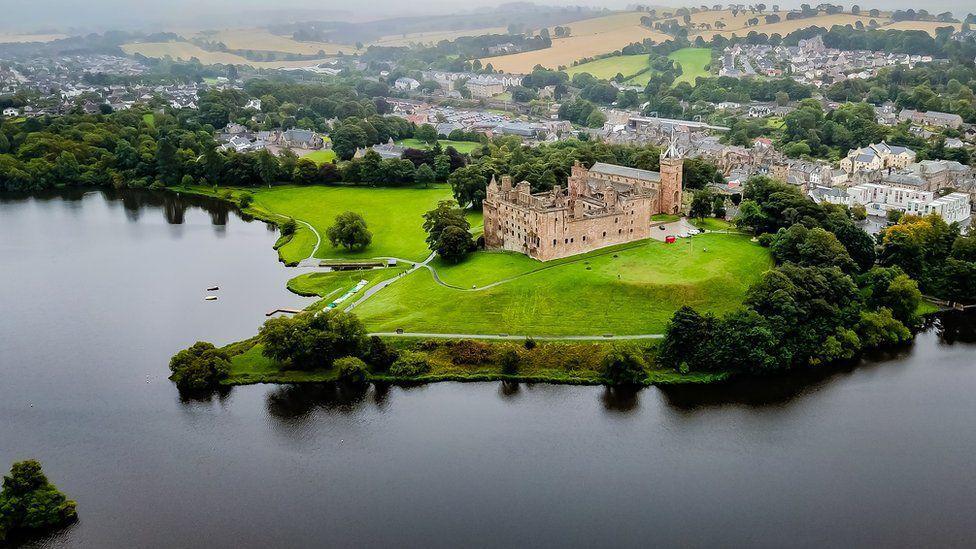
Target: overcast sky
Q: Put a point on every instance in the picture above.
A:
(30, 15)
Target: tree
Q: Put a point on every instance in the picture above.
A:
(306, 172)
(351, 370)
(446, 214)
(349, 230)
(199, 367)
(310, 341)
(880, 329)
(268, 167)
(687, 341)
(469, 186)
(425, 175)
(29, 502)
(701, 204)
(426, 133)
(718, 205)
(623, 367)
(454, 243)
(346, 139)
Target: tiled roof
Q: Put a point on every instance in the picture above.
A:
(623, 171)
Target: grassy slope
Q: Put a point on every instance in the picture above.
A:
(394, 215)
(463, 147)
(693, 62)
(608, 67)
(633, 293)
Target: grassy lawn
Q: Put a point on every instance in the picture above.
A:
(693, 62)
(394, 215)
(331, 285)
(149, 119)
(462, 147)
(631, 289)
(712, 224)
(609, 67)
(321, 157)
(667, 218)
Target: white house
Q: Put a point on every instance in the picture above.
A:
(878, 200)
(406, 84)
(10, 111)
(877, 156)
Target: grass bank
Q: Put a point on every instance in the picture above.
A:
(550, 362)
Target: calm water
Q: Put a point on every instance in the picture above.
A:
(97, 293)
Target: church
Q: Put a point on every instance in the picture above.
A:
(601, 206)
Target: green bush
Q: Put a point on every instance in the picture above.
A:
(245, 200)
(288, 227)
(410, 364)
(29, 502)
(199, 367)
(380, 356)
(351, 370)
(766, 239)
(623, 367)
(509, 360)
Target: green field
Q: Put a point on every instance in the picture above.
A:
(693, 62)
(609, 67)
(149, 119)
(463, 147)
(394, 215)
(321, 157)
(629, 289)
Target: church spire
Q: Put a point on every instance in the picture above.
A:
(672, 150)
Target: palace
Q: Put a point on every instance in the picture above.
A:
(601, 206)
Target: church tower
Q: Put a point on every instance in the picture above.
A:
(671, 173)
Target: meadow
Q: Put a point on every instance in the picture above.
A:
(264, 40)
(322, 156)
(463, 147)
(694, 63)
(609, 67)
(624, 290)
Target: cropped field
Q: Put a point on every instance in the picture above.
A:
(693, 63)
(629, 289)
(12, 38)
(589, 38)
(187, 51)
(927, 26)
(434, 37)
(262, 39)
(737, 26)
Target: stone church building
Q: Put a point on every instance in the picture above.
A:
(601, 206)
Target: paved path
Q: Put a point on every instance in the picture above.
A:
(373, 289)
(521, 337)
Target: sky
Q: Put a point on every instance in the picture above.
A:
(100, 15)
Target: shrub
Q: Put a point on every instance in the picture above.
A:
(380, 355)
(288, 227)
(245, 200)
(410, 364)
(766, 239)
(529, 344)
(351, 370)
(199, 367)
(623, 367)
(470, 352)
(509, 360)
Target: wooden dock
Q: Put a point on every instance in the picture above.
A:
(284, 311)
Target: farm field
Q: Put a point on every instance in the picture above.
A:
(264, 40)
(589, 38)
(13, 38)
(927, 26)
(693, 63)
(434, 37)
(186, 51)
(463, 147)
(738, 27)
(609, 67)
(628, 289)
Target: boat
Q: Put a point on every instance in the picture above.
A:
(211, 298)
(213, 288)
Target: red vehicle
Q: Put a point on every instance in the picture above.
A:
(669, 239)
